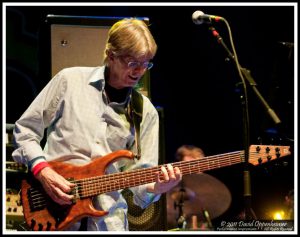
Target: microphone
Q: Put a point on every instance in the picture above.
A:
(199, 18)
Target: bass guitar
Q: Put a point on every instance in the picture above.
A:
(42, 213)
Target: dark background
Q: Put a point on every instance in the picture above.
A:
(192, 81)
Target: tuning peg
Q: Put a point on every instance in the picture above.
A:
(258, 149)
(277, 152)
(40, 226)
(33, 222)
(48, 225)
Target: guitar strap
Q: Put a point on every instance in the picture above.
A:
(136, 112)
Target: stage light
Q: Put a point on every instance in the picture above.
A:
(279, 215)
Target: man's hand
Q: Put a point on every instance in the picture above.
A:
(167, 179)
(56, 186)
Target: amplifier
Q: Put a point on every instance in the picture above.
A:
(14, 211)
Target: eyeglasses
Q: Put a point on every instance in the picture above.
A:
(144, 65)
(135, 64)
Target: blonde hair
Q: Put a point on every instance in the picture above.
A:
(189, 150)
(130, 37)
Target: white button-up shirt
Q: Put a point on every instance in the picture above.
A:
(82, 123)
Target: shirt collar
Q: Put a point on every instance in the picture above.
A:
(97, 78)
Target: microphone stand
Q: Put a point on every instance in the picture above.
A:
(249, 213)
(250, 79)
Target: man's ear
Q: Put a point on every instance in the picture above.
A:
(109, 54)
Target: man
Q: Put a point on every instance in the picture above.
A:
(189, 152)
(87, 113)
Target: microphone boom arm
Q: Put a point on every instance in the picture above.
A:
(249, 78)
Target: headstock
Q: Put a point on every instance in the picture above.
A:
(259, 154)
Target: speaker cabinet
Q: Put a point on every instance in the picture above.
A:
(76, 46)
(78, 41)
(152, 218)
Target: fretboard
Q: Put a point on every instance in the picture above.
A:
(107, 183)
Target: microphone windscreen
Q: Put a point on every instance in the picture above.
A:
(196, 17)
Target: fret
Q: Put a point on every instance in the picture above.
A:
(206, 163)
(190, 168)
(211, 164)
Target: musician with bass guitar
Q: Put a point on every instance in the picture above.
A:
(90, 114)
(102, 137)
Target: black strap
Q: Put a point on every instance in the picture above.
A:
(136, 103)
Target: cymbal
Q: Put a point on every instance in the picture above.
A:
(196, 193)
(183, 194)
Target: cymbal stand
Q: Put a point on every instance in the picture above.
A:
(207, 218)
(181, 222)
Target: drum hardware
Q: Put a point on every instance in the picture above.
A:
(198, 196)
(181, 222)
